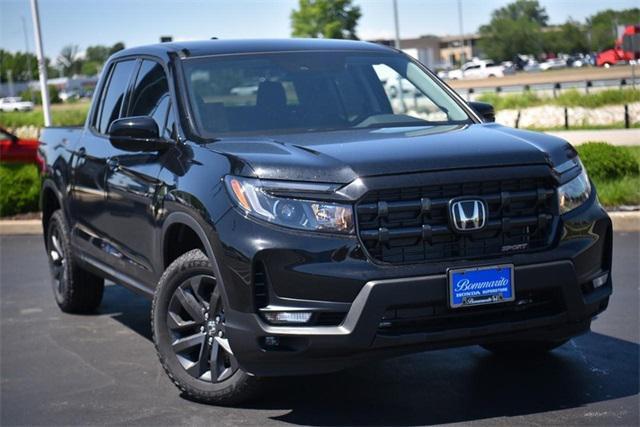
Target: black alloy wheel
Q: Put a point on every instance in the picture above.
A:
(196, 324)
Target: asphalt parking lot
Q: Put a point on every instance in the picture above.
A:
(59, 369)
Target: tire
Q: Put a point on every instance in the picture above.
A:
(188, 324)
(75, 289)
(523, 349)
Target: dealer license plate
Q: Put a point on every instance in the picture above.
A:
(481, 285)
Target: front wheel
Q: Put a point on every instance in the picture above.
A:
(525, 349)
(189, 332)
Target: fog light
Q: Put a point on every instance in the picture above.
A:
(271, 341)
(600, 280)
(283, 317)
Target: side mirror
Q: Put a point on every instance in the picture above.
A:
(484, 110)
(139, 133)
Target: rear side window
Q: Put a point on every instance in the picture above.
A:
(113, 96)
(150, 95)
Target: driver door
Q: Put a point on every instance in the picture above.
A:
(133, 188)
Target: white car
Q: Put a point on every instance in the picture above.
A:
(13, 103)
(553, 64)
(477, 69)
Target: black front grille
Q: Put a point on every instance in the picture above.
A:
(411, 225)
(438, 317)
(260, 287)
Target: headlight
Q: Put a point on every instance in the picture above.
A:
(294, 213)
(574, 193)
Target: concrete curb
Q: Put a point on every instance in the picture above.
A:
(625, 221)
(20, 226)
(622, 221)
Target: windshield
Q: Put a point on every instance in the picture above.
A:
(313, 91)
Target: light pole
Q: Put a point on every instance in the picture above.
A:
(26, 50)
(397, 46)
(462, 53)
(42, 64)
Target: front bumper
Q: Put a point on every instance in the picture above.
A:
(393, 310)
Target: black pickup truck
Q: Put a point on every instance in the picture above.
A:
(288, 213)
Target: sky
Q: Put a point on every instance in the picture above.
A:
(138, 22)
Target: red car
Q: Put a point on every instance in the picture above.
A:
(16, 150)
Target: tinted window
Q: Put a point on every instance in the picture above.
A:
(150, 96)
(113, 97)
(311, 91)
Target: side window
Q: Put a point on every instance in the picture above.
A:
(113, 95)
(405, 97)
(150, 96)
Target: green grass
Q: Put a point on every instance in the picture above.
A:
(616, 125)
(567, 98)
(61, 115)
(621, 191)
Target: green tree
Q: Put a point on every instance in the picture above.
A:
(332, 19)
(116, 48)
(514, 28)
(97, 54)
(602, 26)
(69, 61)
(21, 66)
(569, 37)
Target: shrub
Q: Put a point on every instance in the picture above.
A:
(566, 98)
(573, 98)
(19, 188)
(511, 101)
(608, 162)
(36, 95)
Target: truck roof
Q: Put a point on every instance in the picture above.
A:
(218, 47)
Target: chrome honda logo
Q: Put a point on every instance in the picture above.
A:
(468, 215)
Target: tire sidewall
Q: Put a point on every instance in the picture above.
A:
(57, 222)
(176, 274)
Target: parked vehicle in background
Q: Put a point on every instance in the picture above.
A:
(553, 64)
(71, 95)
(531, 66)
(18, 150)
(627, 48)
(15, 103)
(320, 223)
(477, 69)
(579, 60)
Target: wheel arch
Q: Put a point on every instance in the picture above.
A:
(183, 219)
(181, 222)
(50, 201)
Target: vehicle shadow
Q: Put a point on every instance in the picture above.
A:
(437, 387)
(128, 308)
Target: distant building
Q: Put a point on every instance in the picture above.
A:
(456, 50)
(439, 52)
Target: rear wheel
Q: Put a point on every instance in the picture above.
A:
(523, 348)
(189, 332)
(75, 289)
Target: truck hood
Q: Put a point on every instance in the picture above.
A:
(342, 156)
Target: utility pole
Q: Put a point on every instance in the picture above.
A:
(397, 46)
(462, 54)
(42, 64)
(397, 25)
(26, 50)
